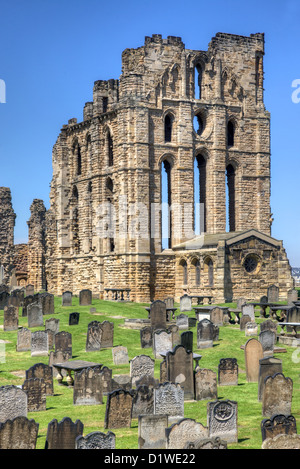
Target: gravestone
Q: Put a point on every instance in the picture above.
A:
(62, 435)
(25, 429)
(118, 409)
(63, 342)
(94, 334)
(28, 300)
(277, 395)
(251, 329)
(46, 301)
(186, 339)
(163, 371)
(248, 310)
(107, 336)
(179, 368)
(245, 319)
(120, 355)
(228, 372)
(282, 442)
(96, 440)
(206, 387)
(39, 344)
(205, 334)
(222, 420)
(151, 431)
(58, 357)
(85, 297)
(217, 316)
(74, 319)
(88, 387)
(146, 337)
(13, 403)
(16, 298)
(66, 299)
(278, 425)
(23, 340)
(267, 367)
(162, 342)
(240, 302)
(182, 321)
(175, 334)
(121, 382)
(273, 294)
(292, 296)
(141, 365)
(106, 375)
(158, 315)
(4, 297)
(268, 325)
(29, 290)
(169, 400)
(185, 431)
(253, 353)
(52, 328)
(42, 371)
(169, 302)
(185, 303)
(267, 340)
(207, 443)
(35, 315)
(10, 318)
(35, 389)
(143, 401)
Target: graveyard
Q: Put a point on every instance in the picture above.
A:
(148, 374)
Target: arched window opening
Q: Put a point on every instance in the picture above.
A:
(110, 186)
(109, 198)
(184, 272)
(168, 128)
(209, 269)
(196, 272)
(198, 123)
(89, 152)
(198, 81)
(230, 134)
(199, 194)
(78, 161)
(166, 224)
(110, 149)
(230, 196)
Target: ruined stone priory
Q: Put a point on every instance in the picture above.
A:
(164, 186)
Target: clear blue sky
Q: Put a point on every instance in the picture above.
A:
(52, 51)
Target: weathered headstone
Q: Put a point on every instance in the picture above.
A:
(169, 400)
(63, 342)
(267, 367)
(151, 431)
(62, 435)
(58, 357)
(94, 334)
(245, 319)
(162, 342)
(184, 431)
(292, 296)
(107, 336)
(277, 395)
(4, 298)
(158, 315)
(96, 440)
(206, 387)
(23, 340)
(186, 339)
(141, 365)
(273, 294)
(39, 344)
(118, 409)
(251, 329)
(143, 401)
(42, 371)
(217, 316)
(182, 321)
(88, 387)
(222, 420)
(228, 372)
(253, 353)
(268, 341)
(278, 425)
(282, 442)
(46, 301)
(74, 319)
(179, 363)
(13, 403)
(146, 337)
(11, 318)
(207, 443)
(185, 303)
(28, 300)
(205, 334)
(25, 429)
(35, 315)
(121, 382)
(85, 297)
(66, 298)
(249, 310)
(29, 290)
(106, 375)
(120, 355)
(240, 302)
(35, 389)
(52, 327)
(268, 325)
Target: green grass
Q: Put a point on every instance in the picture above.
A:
(60, 405)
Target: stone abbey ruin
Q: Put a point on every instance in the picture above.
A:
(181, 139)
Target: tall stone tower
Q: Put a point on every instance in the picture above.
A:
(164, 186)
(7, 224)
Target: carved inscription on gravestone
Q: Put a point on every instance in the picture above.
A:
(222, 420)
(96, 440)
(118, 409)
(25, 429)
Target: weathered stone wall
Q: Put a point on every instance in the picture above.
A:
(7, 224)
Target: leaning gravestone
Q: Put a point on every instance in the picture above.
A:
(35, 315)
(24, 340)
(206, 387)
(141, 365)
(158, 315)
(278, 425)
(62, 435)
(143, 401)
(179, 363)
(35, 389)
(66, 298)
(13, 403)
(267, 367)
(222, 420)
(162, 342)
(169, 400)
(118, 409)
(228, 372)
(205, 334)
(184, 431)
(39, 344)
(185, 303)
(146, 337)
(85, 297)
(96, 440)
(10, 318)
(94, 334)
(151, 431)
(74, 319)
(25, 429)
(253, 353)
(273, 294)
(277, 395)
(42, 371)
(120, 355)
(88, 387)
